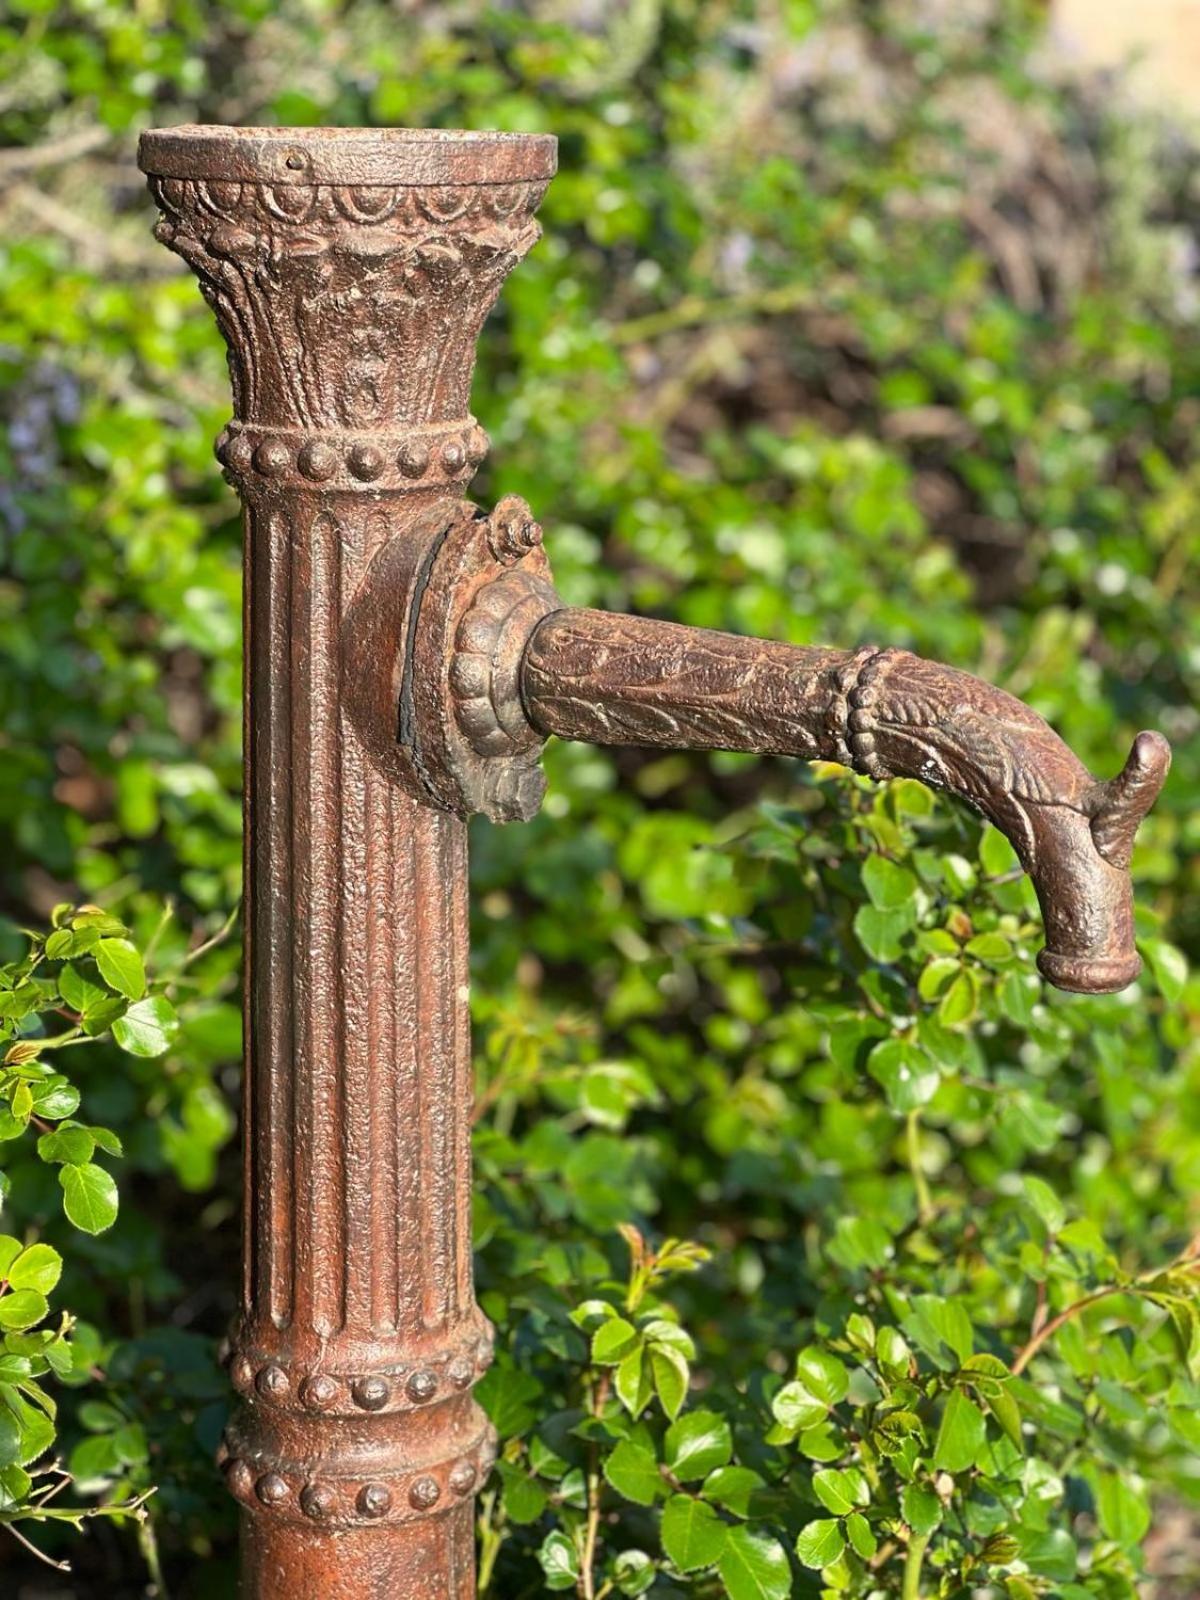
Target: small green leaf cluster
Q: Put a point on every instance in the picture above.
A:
(928, 1370)
(88, 972)
(81, 983)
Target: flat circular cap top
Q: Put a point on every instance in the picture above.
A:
(359, 156)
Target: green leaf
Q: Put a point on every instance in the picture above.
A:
(1007, 1413)
(962, 1434)
(822, 1443)
(79, 992)
(611, 1090)
(840, 1490)
(130, 1443)
(936, 1323)
(612, 1341)
(937, 975)
(89, 1197)
(996, 855)
(10, 1249)
(100, 1017)
(895, 1432)
(697, 1444)
(634, 1572)
(121, 967)
(1044, 1202)
(860, 1242)
(72, 1144)
(820, 1543)
(634, 1382)
(95, 1459)
(881, 933)
(508, 1396)
(1019, 994)
(35, 1429)
(920, 1508)
(692, 1534)
(960, 1001)
(10, 1433)
(733, 1489)
(55, 1099)
(795, 1408)
(992, 948)
(892, 1351)
(559, 1561)
(861, 1535)
(524, 1497)
(905, 1072)
(754, 1566)
(633, 1472)
(22, 1309)
(889, 886)
(15, 1484)
(107, 1140)
(97, 1416)
(38, 1267)
(823, 1375)
(147, 1028)
(671, 1375)
(1169, 966)
(1123, 1510)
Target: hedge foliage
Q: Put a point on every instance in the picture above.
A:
(830, 1252)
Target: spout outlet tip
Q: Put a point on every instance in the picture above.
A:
(1089, 974)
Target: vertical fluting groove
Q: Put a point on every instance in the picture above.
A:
(437, 1067)
(381, 979)
(361, 798)
(327, 993)
(426, 1066)
(406, 1129)
(430, 953)
(269, 892)
(250, 767)
(299, 933)
(462, 1098)
(320, 1203)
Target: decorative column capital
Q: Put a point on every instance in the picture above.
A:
(350, 271)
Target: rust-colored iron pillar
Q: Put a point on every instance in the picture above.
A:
(350, 274)
(406, 658)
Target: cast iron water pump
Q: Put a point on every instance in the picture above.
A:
(406, 658)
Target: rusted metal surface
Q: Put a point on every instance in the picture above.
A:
(887, 714)
(350, 274)
(636, 681)
(407, 656)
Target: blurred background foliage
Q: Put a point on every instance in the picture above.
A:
(852, 321)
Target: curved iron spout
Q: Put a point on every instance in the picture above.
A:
(886, 713)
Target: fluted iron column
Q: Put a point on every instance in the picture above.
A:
(350, 272)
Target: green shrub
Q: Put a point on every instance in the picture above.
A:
(829, 1252)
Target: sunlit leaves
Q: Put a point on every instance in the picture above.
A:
(89, 1197)
(120, 966)
(147, 1027)
(559, 1561)
(821, 1542)
(697, 1444)
(754, 1566)
(632, 1469)
(961, 1433)
(693, 1535)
